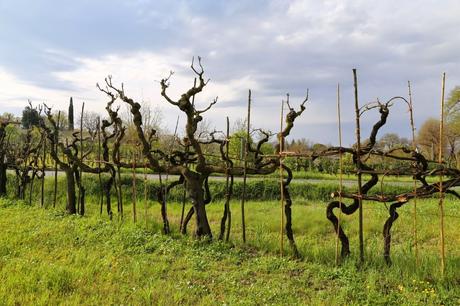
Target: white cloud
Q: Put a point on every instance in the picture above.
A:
(15, 93)
(141, 72)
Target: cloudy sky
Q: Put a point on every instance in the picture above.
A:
(51, 50)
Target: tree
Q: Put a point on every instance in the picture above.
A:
(4, 145)
(7, 133)
(453, 125)
(453, 107)
(30, 117)
(71, 126)
(390, 141)
(428, 138)
(91, 121)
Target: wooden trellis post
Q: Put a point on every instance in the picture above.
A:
(134, 186)
(243, 199)
(440, 161)
(101, 196)
(184, 194)
(42, 199)
(340, 175)
(80, 203)
(358, 168)
(145, 194)
(281, 151)
(414, 148)
(119, 191)
(227, 181)
(55, 163)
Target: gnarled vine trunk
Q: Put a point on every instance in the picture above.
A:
(3, 177)
(196, 194)
(71, 198)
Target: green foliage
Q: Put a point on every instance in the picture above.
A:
(453, 109)
(30, 117)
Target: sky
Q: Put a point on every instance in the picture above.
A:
(52, 50)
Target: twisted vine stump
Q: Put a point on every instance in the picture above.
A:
(161, 194)
(347, 210)
(362, 168)
(193, 166)
(285, 195)
(387, 230)
(288, 212)
(206, 200)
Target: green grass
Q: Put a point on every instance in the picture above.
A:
(47, 257)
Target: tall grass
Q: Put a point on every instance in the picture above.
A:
(47, 257)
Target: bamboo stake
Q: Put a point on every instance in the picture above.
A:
(184, 195)
(145, 194)
(414, 148)
(134, 188)
(227, 182)
(55, 163)
(170, 148)
(101, 196)
(243, 199)
(80, 194)
(119, 191)
(281, 149)
(440, 160)
(358, 166)
(340, 176)
(42, 199)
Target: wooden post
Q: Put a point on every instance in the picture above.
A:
(42, 199)
(80, 191)
(340, 176)
(101, 196)
(227, 182)
(119, 191)
(358, 167)
(55, 163)
(243, 199)
(145, 194)
(414, 148)
(184, 195)
(281, 149)
(440, 161)
(134, 187)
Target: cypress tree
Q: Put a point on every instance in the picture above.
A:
(71, 114)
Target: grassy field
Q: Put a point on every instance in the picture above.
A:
(47, 257)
